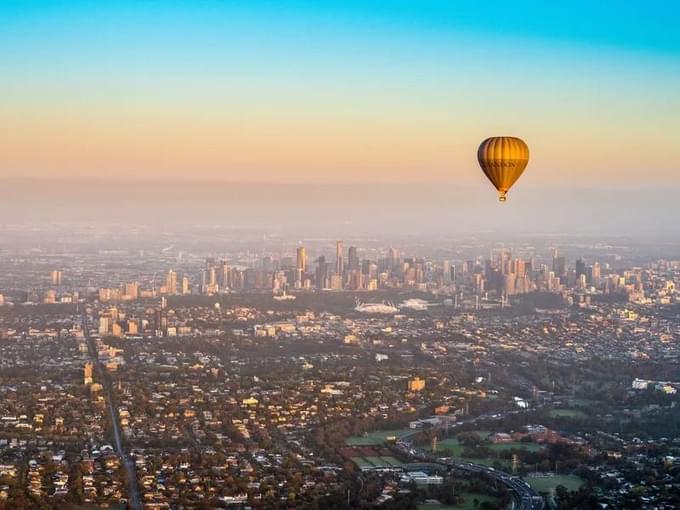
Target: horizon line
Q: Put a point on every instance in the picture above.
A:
(470, 184)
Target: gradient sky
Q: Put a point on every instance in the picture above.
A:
(345, 91)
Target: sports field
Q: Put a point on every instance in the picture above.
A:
(454, 448)
(566, 413)
(543, 483)
(376, 438)
(468, 504)
(516, 445)
(385, 462)
(450, 447)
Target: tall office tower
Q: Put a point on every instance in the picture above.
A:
(203, 277)
(353, 258)
(503, 261)
(209, 276)
(301, 259)
(235, 278)
(509, 283)
(321, 272)
(393, 256)
(479, 283)
(56, 277)
(419, 266)
(171, 282)
(580, 268)
(507, 267)
(300, 266)
(87, 373)
(446, 271)
(581, 281)
(531, 264)
(339, 258)
(453, 273)
(553, 282)
(469, 266)
(596, 273)
(223, 275)
(559, 266)
(355, 279)
(186, 286)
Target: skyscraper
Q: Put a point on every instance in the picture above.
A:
(596, 272)
(339, 258)
(580, 268)
(446, 270)
(321, 272)
(223, 275)
(300, 266)
(393, 256)
(353, 258)
(171, 282)
(559, 266)
(301, 259)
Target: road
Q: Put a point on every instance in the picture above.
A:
(526, 498)
(134, 495)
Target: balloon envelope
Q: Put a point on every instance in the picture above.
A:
(503, 159)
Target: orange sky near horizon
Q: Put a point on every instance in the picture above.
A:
(385, 102)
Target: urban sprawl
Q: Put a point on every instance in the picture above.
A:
(460, 373)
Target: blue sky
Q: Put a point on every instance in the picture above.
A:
(637, 25)
(324, 88)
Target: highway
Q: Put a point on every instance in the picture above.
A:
(526, 498)
(134, 495)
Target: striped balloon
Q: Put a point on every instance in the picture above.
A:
(503, 159)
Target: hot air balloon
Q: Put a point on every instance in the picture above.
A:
(503, 159)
